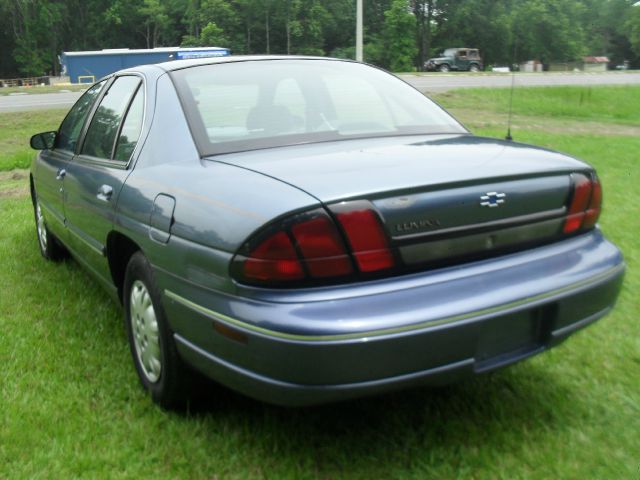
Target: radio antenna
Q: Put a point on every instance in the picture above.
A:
(513, 77)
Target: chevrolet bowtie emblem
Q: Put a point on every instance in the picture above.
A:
(492, 199)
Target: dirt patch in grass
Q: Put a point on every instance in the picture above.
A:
(18, 174)
(14, 192)
(14, 184)
(474, 119)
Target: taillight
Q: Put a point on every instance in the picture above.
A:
(309, 247)
(321, 247)
(584, 207)
(274, 258)
(595, 206)
(366, 237)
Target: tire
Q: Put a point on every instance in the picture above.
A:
(50, 247)
(155, 357)
(474, 68)
(444, 68)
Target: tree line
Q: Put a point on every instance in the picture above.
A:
(399, 34)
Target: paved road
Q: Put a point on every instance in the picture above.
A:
(426, 83)
(439, 82)
(37, 101)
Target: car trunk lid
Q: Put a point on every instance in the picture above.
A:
(373, 168)
(439, 198)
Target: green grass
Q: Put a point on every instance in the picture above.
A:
(71, 406)
(602, 104)
(16, 128)
(37, 89)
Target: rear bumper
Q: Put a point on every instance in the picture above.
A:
(326, 344)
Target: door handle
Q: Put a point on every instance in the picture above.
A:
(105, 192)
(61, 173)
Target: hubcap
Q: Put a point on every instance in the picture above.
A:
(42, 229)
(144, 326)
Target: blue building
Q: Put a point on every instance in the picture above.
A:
(87, 67)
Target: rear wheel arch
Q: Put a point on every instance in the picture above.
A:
(161, 371)
(120, 249)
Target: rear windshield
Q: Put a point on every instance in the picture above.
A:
(250, 105)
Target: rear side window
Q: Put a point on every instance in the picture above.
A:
(71, 126)
(101, 136)
(131, 128)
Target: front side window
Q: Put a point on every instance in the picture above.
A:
(71, 126)
(101, 136)
(250, 105)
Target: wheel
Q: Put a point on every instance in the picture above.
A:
(474, 68)
(50, 246)
(444, 67)
(160, 369)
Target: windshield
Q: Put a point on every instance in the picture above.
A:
(249, 105)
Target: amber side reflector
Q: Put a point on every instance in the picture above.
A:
(231, 333)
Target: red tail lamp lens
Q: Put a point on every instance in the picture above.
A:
(579, 203)
(309, 246)
(321, 247)
(595, 206)
(367, 239)
(274, 259)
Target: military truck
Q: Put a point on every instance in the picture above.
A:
(461, 59)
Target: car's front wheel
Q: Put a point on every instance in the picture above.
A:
(160, 369)
(444, 67)
(50, 247)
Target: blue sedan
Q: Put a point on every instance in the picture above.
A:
(306, 230)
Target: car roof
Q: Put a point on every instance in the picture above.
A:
(180, 64)
(153, 70)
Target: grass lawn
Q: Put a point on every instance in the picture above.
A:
(36, 89)
(607, 105)
(16, 128)
(71, 406)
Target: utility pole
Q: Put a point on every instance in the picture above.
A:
(359, 56)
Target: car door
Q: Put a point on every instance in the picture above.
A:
(53, 164)
(95, 177)
(462, 61)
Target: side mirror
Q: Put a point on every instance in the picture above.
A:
(43, 141)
